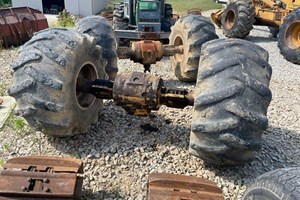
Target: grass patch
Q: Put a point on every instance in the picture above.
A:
(2, 162)
(18, 124)
(180, 6)
(2, 88)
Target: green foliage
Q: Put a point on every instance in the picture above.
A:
(65, 19)
(2, 88)
(1, 162)
(180, 6)
(5, 3)
(17, 124)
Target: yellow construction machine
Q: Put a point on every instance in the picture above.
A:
(281, 16)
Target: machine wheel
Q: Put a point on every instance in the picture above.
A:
(231, 101)
(238, 18)
(120, 23)
(276, 185)
(274, 31)
(100, 28)
(288, 37)
(190, 31)
(46, 83)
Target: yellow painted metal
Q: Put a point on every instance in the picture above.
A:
(267, 12)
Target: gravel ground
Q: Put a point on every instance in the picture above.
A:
(118, 154)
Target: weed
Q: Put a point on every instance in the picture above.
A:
(2, 88)
(1, 162)
(17, 124)
(6, 147)
(65, 19)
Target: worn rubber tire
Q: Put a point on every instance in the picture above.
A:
(191, 31)
(238, 18)
(120, 23)
(274, 31)
(289, 47)
(45, 80)
(99, 27)
(276, 185)
(231, 102)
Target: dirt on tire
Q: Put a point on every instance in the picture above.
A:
(231, 101)
(45, 81)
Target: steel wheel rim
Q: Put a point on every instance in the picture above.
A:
(178, 42)
(229, 19)
(292, 35)
(87, 73)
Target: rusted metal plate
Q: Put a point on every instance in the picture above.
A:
(17, 25)
(41, 178)
(164, 186)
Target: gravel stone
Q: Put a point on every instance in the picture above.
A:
(119, 154)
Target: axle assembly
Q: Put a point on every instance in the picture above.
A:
(136, 92)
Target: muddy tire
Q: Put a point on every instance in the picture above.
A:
(100, 28)
(238, 18)
(191, 31)
(274, 31)
(276, 185)
(46, 77)
(288, 37)
(231, 101)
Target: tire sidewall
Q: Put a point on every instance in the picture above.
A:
(178, 66)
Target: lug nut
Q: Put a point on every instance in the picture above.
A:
(45, 180)
(23, 188)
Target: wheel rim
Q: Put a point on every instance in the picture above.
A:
(178, 42)
(86, 74)
(292, 35)
(229, 19)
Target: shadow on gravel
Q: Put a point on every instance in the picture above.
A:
(89, 194)
(260, 39)
(280, 149)
(118, 132)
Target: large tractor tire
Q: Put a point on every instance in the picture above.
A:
(46, 83)
(274, 31)
(231, 101)
(288, 37)
(276, 185)
(100, 28)
(120, 23)
(238, 18)
(190, 31)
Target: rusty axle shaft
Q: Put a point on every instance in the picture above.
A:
(148, 52)
(138, 93)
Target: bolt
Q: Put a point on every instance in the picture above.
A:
(45, 180)
(29, 179)
(23, 188)
(46, 189)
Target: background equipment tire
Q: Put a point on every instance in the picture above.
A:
(100, 28)
(191, 31)
(238, 18)
(231, 102)
(46, 79)
(120, 23)
(276, 185)
(274, 31)
(288, 37)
